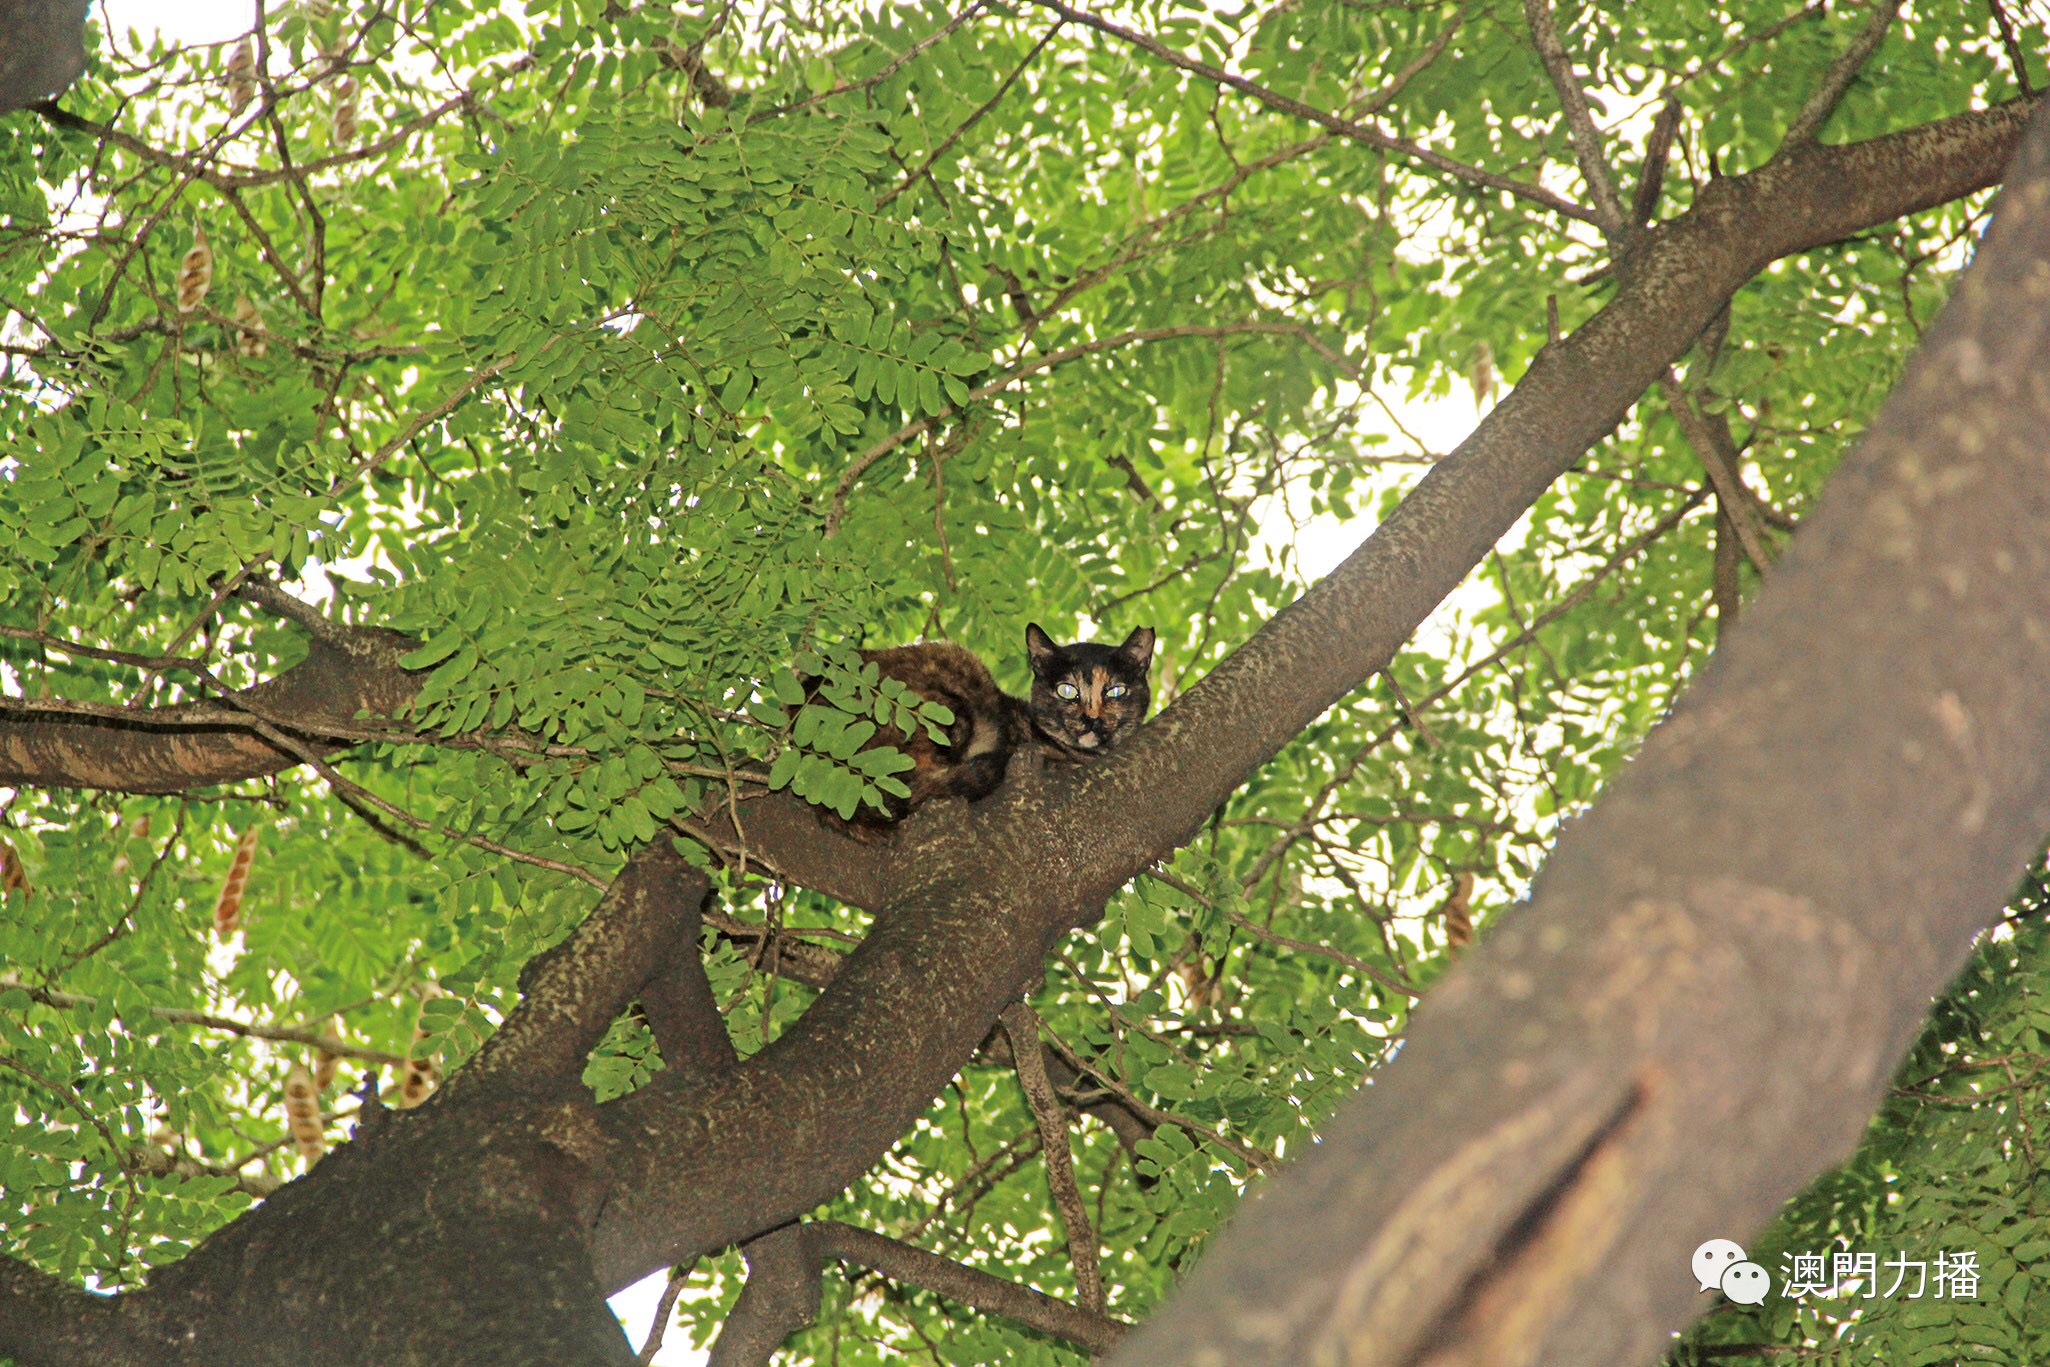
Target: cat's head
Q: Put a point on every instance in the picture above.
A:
(1089, 696)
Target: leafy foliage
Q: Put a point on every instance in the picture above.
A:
(637, 362)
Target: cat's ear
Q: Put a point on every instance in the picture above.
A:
(1138, 648)
(1039, 647)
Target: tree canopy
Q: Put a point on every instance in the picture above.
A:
(437, 438)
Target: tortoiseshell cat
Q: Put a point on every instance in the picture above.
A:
(1086, 698)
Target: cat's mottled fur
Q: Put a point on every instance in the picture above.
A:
(1089, 696)
(1086, 698)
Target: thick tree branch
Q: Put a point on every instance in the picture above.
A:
(1651, 176)
(1349, 625)
(42, 50)
(1860, 778)
(572, 993)
(43, 1319)
(172, 749)
(780, 1298)
(682, 1014)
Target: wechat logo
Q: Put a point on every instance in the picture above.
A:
(1720, 1265)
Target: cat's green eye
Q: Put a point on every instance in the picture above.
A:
(1114, 691)
(1068, 691)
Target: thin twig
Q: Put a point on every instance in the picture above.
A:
(1730, 493)
(127, 921)
(179, 1015)
(860, 466)
(1254, 928)
(1344, 128)
(888, 70)
(974, 118)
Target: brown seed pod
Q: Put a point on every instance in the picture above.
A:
(417, 1082)
(249, 338)
(195, 273)
(302, 1113)
(418, 1075)
(347, 105)
(1458, 912)
(324, 1063)
(137, 829)
(12, 874)
(1482, 375)
(242, 74)
(228, 907)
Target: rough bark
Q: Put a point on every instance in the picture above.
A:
(1722, 964)
(42, 49)
(484, 1227)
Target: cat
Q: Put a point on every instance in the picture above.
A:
(1086, 699)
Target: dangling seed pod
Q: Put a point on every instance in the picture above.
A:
(249, 339)
(347, 94)
(195, 273)
(1458, 912)
(228, 907)
(242, 74)
(138, 829)
(324, 1063)
(418, 1078)
(420, 1072)
(1482, 376)
(12, 874)
(302, 1114)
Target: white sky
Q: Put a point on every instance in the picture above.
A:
(190, 21)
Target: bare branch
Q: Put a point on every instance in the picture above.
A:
(970, 1286)
(1022, 1025)
(664, 1308)
(226, 181)
(1587, 141)
(1651, 176)
(682, 1013)
(1719, 462)
(1837, 77)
